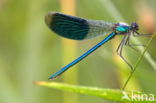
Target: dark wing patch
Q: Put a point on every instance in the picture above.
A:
(68, 26)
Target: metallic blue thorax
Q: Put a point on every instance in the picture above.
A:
(122, 28)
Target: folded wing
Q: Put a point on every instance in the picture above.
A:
(76, 28)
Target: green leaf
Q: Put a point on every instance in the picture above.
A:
(105, 93)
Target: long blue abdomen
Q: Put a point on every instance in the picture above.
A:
(110, 36)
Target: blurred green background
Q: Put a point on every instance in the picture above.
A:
(30, 52)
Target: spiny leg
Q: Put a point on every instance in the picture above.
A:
(128, 42)
(132, 45)
(120, 54)
(120, 48)
(136, 34)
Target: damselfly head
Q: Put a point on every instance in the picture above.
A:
(134, 26)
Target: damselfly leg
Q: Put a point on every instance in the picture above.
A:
(120, 48)
(136, 34)
(126, 41)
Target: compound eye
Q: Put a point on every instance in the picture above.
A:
(135, 26)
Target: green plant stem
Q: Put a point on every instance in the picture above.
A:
(138, 62)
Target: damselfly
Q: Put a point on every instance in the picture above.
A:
(80, 29)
